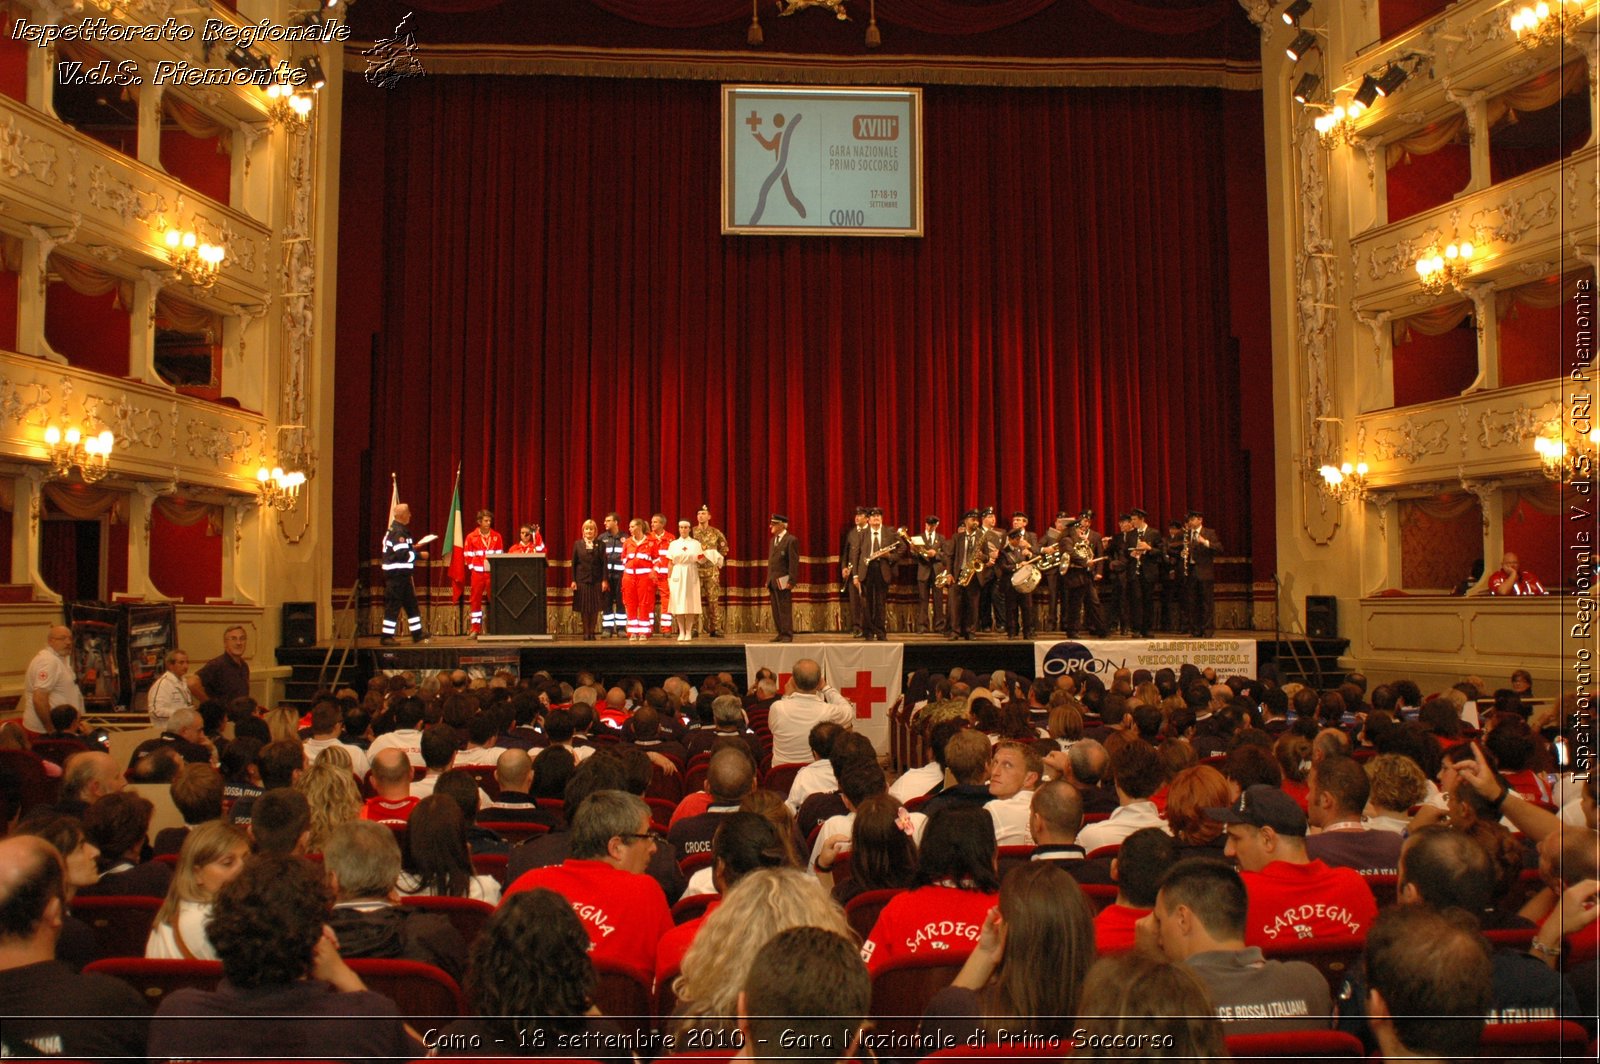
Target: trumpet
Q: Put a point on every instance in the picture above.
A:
(899, 536)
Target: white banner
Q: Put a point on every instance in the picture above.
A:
(868, 674)
(1103, 657)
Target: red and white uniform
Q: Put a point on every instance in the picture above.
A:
(1526, 584)
(477, 549)
(663, 572)
(535, 546)
(935, 919)
(639, 583)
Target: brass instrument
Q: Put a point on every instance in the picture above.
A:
(899, 535)
(976, 562)
(1188, 539)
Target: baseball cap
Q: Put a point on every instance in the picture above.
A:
(1262, 806)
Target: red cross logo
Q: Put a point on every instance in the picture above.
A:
(754, 121)
(864, 694)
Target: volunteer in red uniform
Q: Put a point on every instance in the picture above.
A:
(528, 541)
(639, 553)
(956, 887)
(481, 542)
(663, 570)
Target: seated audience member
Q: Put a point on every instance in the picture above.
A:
(1199, 921)
(68, 726)
(1054, 820)
(1394, 785)
(1014, 772)
(1193, 791)
(927, 779)
(883, 849)
(438, 862)
(85, 779)
(806, 998)
(393, 803)
(482, 747)
(212, 857)
(108, 1017)
(439, 745)
(728, 727)
(649, 737)
(821, 775)
(283, 985)
(729, 777)
(332, 796)
(1137, 869)
(197, 795)
(277, 764)
(1136, 774)
(1430, 982)
(1293, 754)
(515, 1003)
(117, 825)
(515, 773)
(327, 725)
(600, 772)
(1139, 999)
(791, 718)
(623, 909)
(1027, 969)
(1337, 789)
(184, 734)
(861, 779)
(955, 885)
(1568, 859)
(967, 757)
(461, 787)
(281, 822)
(744, 842)
(1292, 897)
(77, 945)
(848, 750)
(407, 735)
(362, 864)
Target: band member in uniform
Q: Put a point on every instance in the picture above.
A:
(1173, 611)
(480, 543)
(991, 605)
(852, 588)
(1202, 546)
(970, 556)
(663, 570)
(714, 554)
(1117, 570)
(588, 577)
(1081, 573)
(783, 569)
(1014, 557)
(877, 551)
(1100, 544)
(613, 618)
(1145, 553)
(639, 579)
(930, 565)
(1055, 541)
(399, 560)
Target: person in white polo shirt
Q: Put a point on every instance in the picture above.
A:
(1014, 772)
(170, 692)
(52, 681)
(791, 718)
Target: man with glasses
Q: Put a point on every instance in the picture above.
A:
(624, 910)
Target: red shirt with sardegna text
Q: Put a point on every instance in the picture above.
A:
(1291, 903)
(926, 921)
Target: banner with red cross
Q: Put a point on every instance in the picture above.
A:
(868, 674)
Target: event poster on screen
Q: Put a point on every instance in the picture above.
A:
(841, 161)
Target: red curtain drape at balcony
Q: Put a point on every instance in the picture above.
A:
(10, 265)
(86, 315)
(570, 324)
(1440, 538)
(186, 549)
(1533, 532)
(1427, 167)
(1435, 353)
(1539, 323)
(1552, 108)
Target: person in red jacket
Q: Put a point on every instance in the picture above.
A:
(623, 910)
(638, 579)
(956, 886)
(480, 543)
(1292, 898)
(662, 570)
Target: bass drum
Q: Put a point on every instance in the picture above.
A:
(1026, 578)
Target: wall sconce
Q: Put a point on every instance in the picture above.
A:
(1344, 483)
(91, 454)
(1537, 25)
(195, 261)
(1448, 270)
(1566, 454)
(288, 106)
(278, 490)
(1338, 126)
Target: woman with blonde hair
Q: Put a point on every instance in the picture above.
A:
(760, 905)
(213, 855)
(329, 786)
(283, 723)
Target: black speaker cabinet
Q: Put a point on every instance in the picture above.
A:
(299, 624)
(1322, 617)
(517, 595)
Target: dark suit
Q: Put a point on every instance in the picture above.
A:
(991, 602)
(1055, 599)
(1018, 606)
(874, 576)
(1140, 578)
(1199, 580)
(783, 560)
(588, 571)
(930, 564)
(852, 592)
(1077, 580)
(964, 600)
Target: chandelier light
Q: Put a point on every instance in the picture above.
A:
(1536, 25)
(196, 262)
(1448, 269)
(1344, 483)
(278, 490)
(1567, 453)
(71, 447)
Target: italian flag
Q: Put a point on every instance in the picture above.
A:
(453, 555)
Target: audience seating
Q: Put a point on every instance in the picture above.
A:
(34, 785)
(514, 832)
(661, 809)
(467, 915)
(1538, 1040)
(901, 990)
(694, 862)
(121, 923)
(1095, 818)
(1384, 887)
(154, 979)
(862, 910)
(1517, 938)
(694, 779)
(57, 750)
(491, 864)
(484, 774)
(666, 999)
(1296, 1045)
(665, 785)
(1012, 856)
(1101, 895)
(421, 991)
(555, 805)
(1103, 851)
(841, 866)
(916, 803)
(692, 906)
(620, 993)
(780, 778)
(1333, 957)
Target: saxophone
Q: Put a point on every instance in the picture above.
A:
(974, 561)
(1188, 539)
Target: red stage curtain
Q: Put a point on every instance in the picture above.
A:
(564, 318)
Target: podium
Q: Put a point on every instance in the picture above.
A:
(517, 597)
